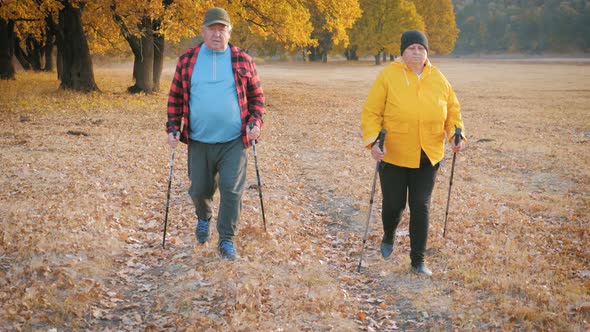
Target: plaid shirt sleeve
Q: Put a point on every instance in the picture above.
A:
(250, 94)
(175, 100)
(179, 94)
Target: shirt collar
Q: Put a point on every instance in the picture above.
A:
(209, 51)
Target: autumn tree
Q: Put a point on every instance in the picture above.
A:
(77, 72)
(32, 39)
(275, 26)
(271, 27)
(43, 18)
(381, 25)
(265, 23)
(283, 23)
(145, 27)
(439, 24)
(330, 21)
(16, 18)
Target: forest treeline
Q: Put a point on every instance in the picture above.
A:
(525, 26)
(33, 31)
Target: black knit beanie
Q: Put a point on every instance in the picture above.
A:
(413, 37)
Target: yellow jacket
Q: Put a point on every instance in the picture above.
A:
(416, 112)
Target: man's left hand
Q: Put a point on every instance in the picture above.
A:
(253, 132)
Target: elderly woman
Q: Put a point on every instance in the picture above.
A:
(416, 105)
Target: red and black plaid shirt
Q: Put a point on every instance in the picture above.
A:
(250, 95)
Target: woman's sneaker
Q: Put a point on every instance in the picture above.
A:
(227, 250)
(387, 245)
(202, 231)
(386, 249)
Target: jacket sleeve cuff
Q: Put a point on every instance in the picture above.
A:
(368, 143)
(463, 137)
(256, 121)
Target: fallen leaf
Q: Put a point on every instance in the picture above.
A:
(361, 315)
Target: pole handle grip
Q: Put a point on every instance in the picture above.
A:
(250, 126)
(174, 131)
(457, 135)
(381, 138)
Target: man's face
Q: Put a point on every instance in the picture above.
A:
(415, 54)
(216, 36)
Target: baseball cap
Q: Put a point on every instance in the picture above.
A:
(216, 15)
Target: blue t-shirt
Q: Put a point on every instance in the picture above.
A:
(214, 108)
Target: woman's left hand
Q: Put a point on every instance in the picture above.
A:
(459, 147)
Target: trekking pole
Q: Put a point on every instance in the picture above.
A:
(168, 195)
(251, 125)
(457, 140)
(381, 140)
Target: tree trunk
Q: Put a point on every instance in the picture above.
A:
(77, 73)
(30, 56)
(317, 53)
(159, 45)
(378, 59)
(384, 56)
(313, 54)
(20, 55)
(59, 64)
(34, 52)
(143, 63)
(351, 53)
(6, 50)
(48, 50)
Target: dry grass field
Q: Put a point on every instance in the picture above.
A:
(83, 191)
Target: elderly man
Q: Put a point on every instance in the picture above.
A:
(214, 99)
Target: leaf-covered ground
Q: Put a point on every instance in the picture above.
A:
(84, 181)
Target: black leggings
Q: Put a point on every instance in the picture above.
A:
(397, 185)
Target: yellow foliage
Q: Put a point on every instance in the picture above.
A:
(28, 16)
(338, 16)
(382, 24)
(441, 28)
(285, 22)
(282, 22)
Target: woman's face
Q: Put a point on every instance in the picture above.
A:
(415, 54)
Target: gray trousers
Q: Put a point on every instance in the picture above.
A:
(223, 166)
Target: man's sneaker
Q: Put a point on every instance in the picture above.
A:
(227, 250)
(386, 249)
(420, 268)
(203, 234)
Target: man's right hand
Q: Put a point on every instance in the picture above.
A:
(173, 141)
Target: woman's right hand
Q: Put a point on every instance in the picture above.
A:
(376, 153)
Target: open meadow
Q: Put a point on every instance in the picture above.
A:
(83, 192)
